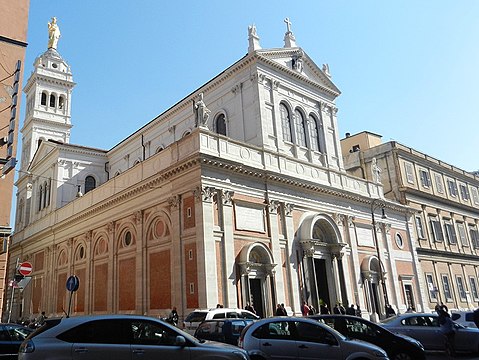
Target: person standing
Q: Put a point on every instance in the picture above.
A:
(305, 309)
(350, 310)
(446, 326)
(475, 317)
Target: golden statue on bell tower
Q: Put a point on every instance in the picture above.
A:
(53, 34)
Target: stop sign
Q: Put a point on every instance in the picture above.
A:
(25, 268)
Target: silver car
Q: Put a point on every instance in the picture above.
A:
(302, 338)
(120, 337)
(425, 328)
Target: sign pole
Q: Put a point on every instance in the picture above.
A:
(13, 293)
(73, 283)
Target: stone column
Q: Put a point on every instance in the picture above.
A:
(292, 267)
(178, 286)
(276, 250)
(229, 264)
(206, 249)
(141, 283)
(88, 272)
(111, 304)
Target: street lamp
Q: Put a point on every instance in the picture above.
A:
(375, 204)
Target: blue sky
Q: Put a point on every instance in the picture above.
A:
(407, 70)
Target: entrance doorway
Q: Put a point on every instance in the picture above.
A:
(322, 281)
(256, 296)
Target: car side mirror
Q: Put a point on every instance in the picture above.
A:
(180, 341)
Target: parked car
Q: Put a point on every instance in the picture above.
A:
(224, 330)
(425, 328)
(194, 318)
(465, 318)
(11, 337)
(302, 338)
(120, 337)
(397, 346)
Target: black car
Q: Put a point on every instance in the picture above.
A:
(11, 336)
(398, 347)
(223, 330)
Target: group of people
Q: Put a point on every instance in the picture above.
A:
(34, 323)
(338, 309)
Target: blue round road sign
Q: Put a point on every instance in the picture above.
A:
(73, 283)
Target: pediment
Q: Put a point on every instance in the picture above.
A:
(42, 152)
(298, 63)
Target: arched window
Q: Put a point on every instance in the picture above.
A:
(221, 124)
(300, 128)
(314, 134)
(285, 122)
(90, 183)
(61, 102)
(53, 100)
(159, 149)
(40, 197)
(44, 98)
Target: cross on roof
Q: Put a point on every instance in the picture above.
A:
(288, 24)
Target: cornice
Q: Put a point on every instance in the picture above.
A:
(437, 199)
(440, 255)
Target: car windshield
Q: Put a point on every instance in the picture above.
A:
(196, 316)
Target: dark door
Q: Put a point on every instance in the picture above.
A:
(322, 282)
(256, 296)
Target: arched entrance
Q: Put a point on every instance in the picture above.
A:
(322, 269)
(371, 275)
(256, 269)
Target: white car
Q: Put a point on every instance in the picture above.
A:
(465, 318)
(302, 338)
(120, 337)
(193, 320)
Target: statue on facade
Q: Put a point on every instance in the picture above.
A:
(375, 170)
(53, 34)
(202, 112)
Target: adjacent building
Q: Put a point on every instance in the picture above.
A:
(236, 194)
(13, 37)
(445, 202)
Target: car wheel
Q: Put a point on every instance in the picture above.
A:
(402, 356)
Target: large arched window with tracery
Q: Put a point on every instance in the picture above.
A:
(314, 134)
(300, 127)
(90, 183)
(221, 124)
(285, 122)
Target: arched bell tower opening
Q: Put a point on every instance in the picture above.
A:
(322, 269)
(256, 269)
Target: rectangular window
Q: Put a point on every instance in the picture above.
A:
(474, 236)
(464, 192)
(439, 185)
(409, 172)
(425, 179)
(431, 287)
(192, 288)
(462, 234)
(450, 233)
(419, 227)
(436, 230)
(452, 187)
(473, 284)
(190, 254)
(460, 288)
(188, 212)
(446, 287)
(475, 196)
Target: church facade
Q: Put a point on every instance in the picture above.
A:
(236, 194)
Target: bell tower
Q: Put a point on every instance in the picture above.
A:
(48, 100)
